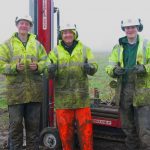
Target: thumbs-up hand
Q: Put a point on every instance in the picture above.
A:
(89, 68)
(86, 66)
(20, 66)
(33, 66)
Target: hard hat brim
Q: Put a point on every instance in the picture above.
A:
(31, 23)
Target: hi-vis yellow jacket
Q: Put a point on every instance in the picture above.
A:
(71, 82)
(24, 86)
(142, 83)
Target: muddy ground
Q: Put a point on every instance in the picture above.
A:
(3, 127)
(99, 144)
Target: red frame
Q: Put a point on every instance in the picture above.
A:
(44, 36)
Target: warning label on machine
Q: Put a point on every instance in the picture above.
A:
(44, 14)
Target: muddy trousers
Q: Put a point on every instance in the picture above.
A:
(135, 121)
(68, 120)
(31, 114)
(127, 114)
(143, 126)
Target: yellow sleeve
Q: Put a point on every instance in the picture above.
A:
(6, 66)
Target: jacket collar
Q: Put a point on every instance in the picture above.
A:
(124, 40)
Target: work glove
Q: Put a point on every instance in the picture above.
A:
(118, 71)
(139, 69)
(52, 69)
(89, 68)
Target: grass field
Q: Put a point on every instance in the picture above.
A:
(3, 103)
(100, 81)
(2, 92)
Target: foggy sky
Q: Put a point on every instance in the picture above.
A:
(98, 21)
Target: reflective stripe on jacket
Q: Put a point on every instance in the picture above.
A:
(71, 82)
(24, 86)
(142, 83)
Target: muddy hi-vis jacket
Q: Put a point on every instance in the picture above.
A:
(24, 86)
(71, 82)
(142, 83)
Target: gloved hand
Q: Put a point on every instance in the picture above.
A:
(118, 71)
(52, 69)
(139, 69)
(89, 68)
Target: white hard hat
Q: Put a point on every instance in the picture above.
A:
(24, 17)
(68, 27)
(132, 22)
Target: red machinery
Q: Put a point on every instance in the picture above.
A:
(42, 12)
(106, 123)
(45, 36)
(106, 119)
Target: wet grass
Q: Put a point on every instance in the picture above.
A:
(101, 80)
(3, 104)
(3, 119)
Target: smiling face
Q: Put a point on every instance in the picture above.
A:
(131, 32)
(68, 36)
(23, 26)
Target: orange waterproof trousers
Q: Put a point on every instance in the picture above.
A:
(67, 119)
